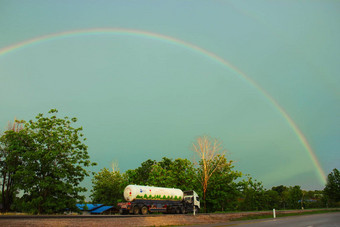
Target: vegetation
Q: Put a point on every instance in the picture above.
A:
(45, 161)
(12, 145)
(332, 189)
(226, 190)
(108, 187)
(208, 150)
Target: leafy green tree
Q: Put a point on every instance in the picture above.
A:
(183, 174)
(108, 187)
(271, 200)
(179, 173)
(313, 199)
(253, 195)
(54, 165)
(294, 197)
(223, 192)
(332, 189)
(159, 176)
(13, 144)
(165, 163)
(283, 195)
(140, 176)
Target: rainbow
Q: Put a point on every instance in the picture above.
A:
(186, 45)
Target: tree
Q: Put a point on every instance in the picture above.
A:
(332, 189)
(313, 199)
(108, 187)
(294, 197)
(283, 195)
(54, 165)
(12, 145)
(183, 174)
(140, 176)
(253, 195)
(208, 151)
(179, 173)
(223, 192)
(272, 200)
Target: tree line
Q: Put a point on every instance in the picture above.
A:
(43, 161)
(227, 190)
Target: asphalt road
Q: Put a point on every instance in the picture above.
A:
(314, 220)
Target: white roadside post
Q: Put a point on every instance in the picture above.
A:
(274, 214)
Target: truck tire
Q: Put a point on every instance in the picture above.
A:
(183, 210)
(136, 210)
(122, 212)
(178, 210)
(144, 210)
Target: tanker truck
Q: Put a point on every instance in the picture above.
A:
(147, 199)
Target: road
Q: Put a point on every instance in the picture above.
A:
(315, 220)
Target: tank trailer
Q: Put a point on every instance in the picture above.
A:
(147, 199)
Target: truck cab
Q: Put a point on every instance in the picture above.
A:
(192, 200)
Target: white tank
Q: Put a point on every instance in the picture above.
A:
(132, 192)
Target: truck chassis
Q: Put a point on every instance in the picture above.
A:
(156, 206)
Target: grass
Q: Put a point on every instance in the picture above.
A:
(278, 215)
(14, 213)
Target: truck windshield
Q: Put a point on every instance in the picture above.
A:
(188, 193)
(188, 199)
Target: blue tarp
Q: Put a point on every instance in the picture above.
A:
(101, 209)
(90, 207)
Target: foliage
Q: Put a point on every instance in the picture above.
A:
(108, 187)
(46, 159)
(140, 176)
(252, 195)
(332, 189)
(179, 173)
(271, 200)
(208, 150)
(223, 192)
(295, 197)
(52, 164)
(314, 199)
(282, 191)
(13, 144)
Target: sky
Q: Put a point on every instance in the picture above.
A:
(146, 78)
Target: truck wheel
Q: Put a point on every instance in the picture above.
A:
(122, 212)
(144, 210)
(178, 211)
(135, 210)
(197, 210)
(183, 210)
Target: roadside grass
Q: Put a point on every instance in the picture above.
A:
(278, 215)
(14, 213)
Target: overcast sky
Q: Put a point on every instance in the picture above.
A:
(148, 90)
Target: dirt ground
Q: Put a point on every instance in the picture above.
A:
(153, 220)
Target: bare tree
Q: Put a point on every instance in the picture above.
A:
(16, 126)
(210, 152)
(115, 166)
